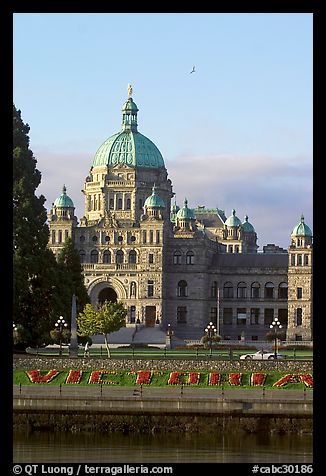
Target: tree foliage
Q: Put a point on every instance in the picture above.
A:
(34, 265)
(42, 287)
(71, 280)
(213, 340)
(110, 317)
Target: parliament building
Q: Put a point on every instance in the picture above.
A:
(171, 264)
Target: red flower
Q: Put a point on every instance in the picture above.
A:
(193, 378)
(36, 377)
(235, 379)
(257, 379)
(143, 377)
(174, 378)
(96, 377)
(214, 378)
(74, 376)
(307, 379)
(288, 378)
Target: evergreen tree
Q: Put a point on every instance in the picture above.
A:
(71, 280)
(34, 265)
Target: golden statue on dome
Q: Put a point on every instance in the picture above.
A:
(129, 90)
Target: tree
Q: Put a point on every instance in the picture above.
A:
(110, 317)
(210, 341)
(71, 280)
(34, 265)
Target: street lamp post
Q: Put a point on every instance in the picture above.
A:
(211, 332)
(276, 325)
(15, 332)
(169, 334)
(60, 325)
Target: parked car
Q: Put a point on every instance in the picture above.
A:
(262, 355)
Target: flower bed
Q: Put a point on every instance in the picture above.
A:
(96, 377)
(257, 379)
(235, 379)
(214, 378)
(193, 378)
(307, 379)
(174, 378)
(295, 378)
(143, 377)
(36, 377)
(74, 376)
(161, 379)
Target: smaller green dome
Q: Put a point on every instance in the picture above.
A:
(247, 227)
(233, 220)
(301, 229)
(185, 212)
(154, 200)
(130, 106)
(64, 201)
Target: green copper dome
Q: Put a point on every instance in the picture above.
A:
(301, 229)
(154, 200)
(247, 227)
(185, 212)
(128, 147)
(64, 201)
(233, 220)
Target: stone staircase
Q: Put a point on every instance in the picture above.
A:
(150, 336)
(129, 335)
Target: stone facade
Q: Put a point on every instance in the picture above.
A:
(179, 266)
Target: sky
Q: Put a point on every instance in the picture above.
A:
(235, 134)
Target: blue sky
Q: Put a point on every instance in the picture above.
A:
(237, 133)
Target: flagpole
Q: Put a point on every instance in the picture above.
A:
(218, 311)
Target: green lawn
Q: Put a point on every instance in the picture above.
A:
(159, 379)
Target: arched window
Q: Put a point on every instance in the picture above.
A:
(133, 289)
(94, 256)
(53, 236)
(132, 257)
(128, 204)
(182, 289)
(107, 257)
(119, 204)
(255, 290)
(228, 290)
(119, 257)
(269, 291)
(66, 234)
(242, 290)
(283, 291)
(299, 260)
(298, 317)
(82, 256)
(177, 257)
(190, 257)
(60, 236)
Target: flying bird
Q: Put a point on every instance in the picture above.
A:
(193, 70)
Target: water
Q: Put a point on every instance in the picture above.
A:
(49, 447)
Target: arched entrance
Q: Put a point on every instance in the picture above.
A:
(107, 294)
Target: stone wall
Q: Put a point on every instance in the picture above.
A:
(43, 363)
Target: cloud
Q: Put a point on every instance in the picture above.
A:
(273, 191)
